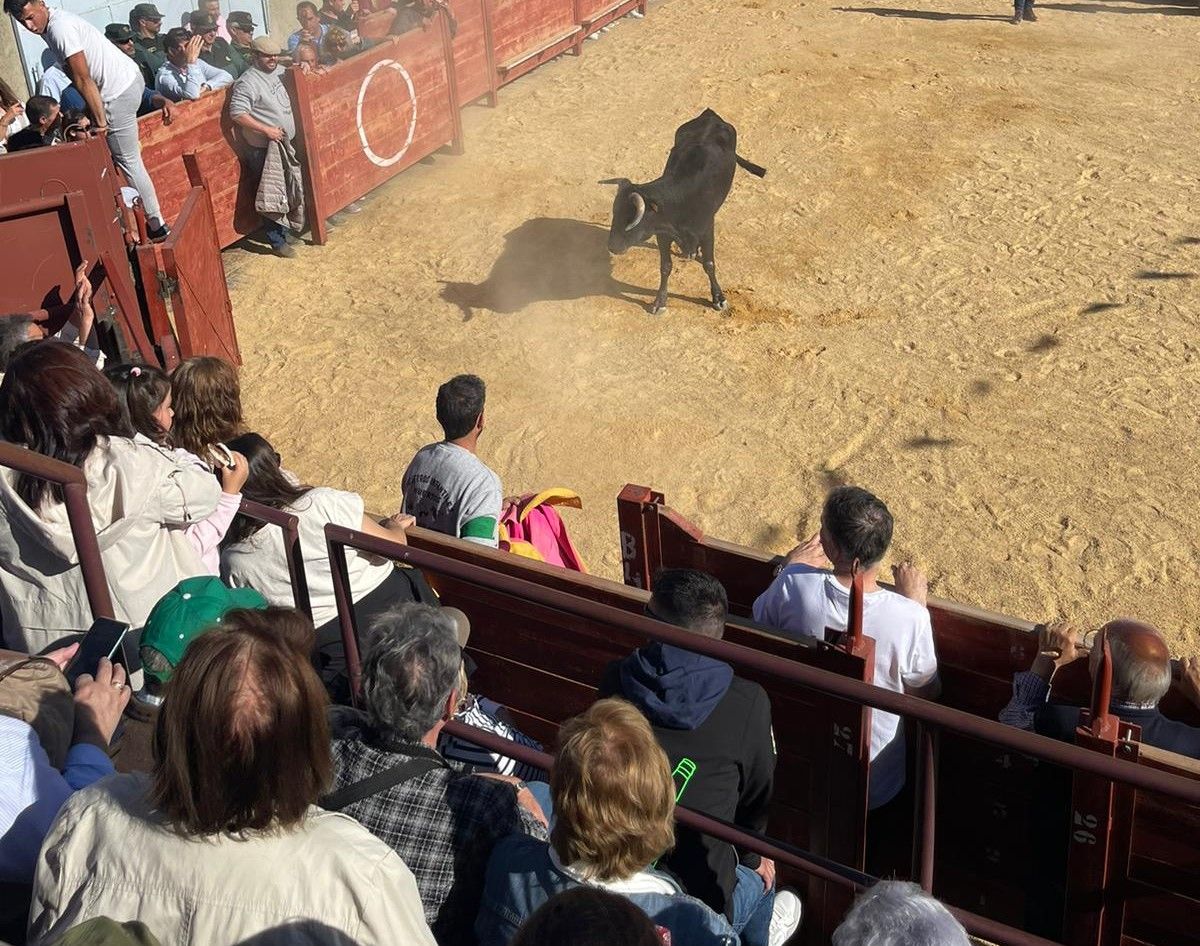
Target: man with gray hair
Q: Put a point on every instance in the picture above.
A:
(899, 913)
(439, 817)
(1141, 677)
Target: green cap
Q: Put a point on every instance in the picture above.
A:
(183, 614)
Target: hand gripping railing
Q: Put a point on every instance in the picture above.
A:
(932, 717)
(79, 517)
(290, 526)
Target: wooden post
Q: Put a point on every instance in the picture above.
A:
(314, 182)
(637, 509)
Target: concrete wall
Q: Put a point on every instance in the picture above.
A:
(10, 59)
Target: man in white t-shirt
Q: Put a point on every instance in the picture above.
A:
(111, 85)
(447, 488)
(856, 530)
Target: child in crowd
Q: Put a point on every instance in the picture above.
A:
(144, 397)
(207, 402)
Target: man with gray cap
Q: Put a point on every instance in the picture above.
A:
(259, 105)
(441, 820)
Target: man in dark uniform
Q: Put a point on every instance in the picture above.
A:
(216, 51)
(241, 28)
(121, 36)
(145, 21)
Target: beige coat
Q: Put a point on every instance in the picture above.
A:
(141, 499)
(329, 882)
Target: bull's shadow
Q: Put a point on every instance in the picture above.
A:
(549, 259)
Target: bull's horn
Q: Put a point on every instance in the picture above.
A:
(615, 180)
(640, 203)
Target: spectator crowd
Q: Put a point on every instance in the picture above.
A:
(97, 82)
(226, 716)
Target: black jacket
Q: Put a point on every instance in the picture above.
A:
(1060, 721)
(701, 712)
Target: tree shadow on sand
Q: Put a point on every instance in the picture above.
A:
(549, 259)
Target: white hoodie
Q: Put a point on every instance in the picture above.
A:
(141, 498)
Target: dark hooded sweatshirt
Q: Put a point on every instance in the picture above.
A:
(701, 712)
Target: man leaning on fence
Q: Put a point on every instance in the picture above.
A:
(260, 107)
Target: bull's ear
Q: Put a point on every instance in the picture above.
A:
(619, 181)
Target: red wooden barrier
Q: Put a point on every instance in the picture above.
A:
(594, 15)
(527, 33)
(474, 51)
(63, 205)
(202, 132)
(370, 117)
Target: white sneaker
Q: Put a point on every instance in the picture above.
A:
(785, 917)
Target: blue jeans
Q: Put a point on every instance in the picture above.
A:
(541, 791)
(276, 233)
(752, 908)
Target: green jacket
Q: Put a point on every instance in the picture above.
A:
(227, 57)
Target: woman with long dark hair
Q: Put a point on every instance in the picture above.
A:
(54, 401)
(253, 554)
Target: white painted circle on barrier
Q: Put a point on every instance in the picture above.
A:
(412, 122)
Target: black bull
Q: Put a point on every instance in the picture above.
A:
(681, 205)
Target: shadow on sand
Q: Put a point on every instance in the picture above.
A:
(549, 259)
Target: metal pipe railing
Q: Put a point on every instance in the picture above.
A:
(289, 524)
(930, 714)
(781, 852)
(79, 518)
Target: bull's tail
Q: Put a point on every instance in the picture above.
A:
(751, 166)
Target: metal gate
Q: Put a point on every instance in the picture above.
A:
(186, 270)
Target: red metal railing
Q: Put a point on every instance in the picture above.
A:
(79, 517)
(290, 526)
(931, 717)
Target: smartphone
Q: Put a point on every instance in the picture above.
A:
(103, 639)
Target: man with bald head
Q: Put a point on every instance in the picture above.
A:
(1141, 676)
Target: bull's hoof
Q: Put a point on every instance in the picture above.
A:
(720, 304)
(657, 309)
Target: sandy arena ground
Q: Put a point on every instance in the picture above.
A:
(968, 282)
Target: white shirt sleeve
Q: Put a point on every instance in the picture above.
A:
(214, 77)
(921, 660)
(63, 37)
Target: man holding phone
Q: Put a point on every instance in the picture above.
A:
(31, 789)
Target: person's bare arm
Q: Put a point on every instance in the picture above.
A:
(77, 68)
(83, 316)
(392, 528)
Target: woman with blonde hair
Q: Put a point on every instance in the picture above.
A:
(614, 802)
(207, 402)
